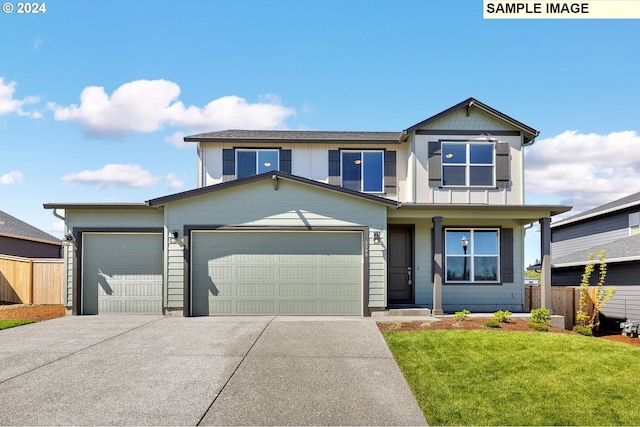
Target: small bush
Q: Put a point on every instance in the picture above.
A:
(541, 315)
(492, 323)
(502, 316)
(542, 327)
(462, 315)
(583, 330)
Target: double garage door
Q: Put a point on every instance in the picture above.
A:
(276, 272)
(121, 273)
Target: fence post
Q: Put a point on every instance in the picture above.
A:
(30, 282)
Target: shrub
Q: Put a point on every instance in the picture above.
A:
(501, 316)
(593, 300)
(541, 315)
(462, 315)
(492, 323)
(539, 326)
(583, 330)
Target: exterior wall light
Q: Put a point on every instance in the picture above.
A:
(173, 236)
(377, 240)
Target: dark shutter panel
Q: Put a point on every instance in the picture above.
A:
(390, 172)
(506, 255)
(502, 165)
(435, 164)
(228, 164)
(285, 161)
(334, 167)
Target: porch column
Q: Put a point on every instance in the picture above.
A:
(437, 265)
(545, 257)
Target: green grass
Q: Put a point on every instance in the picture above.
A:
(4, 324)
(519, 378)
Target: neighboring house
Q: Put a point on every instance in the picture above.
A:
(615, 228)
(18, 238)
(328, 223)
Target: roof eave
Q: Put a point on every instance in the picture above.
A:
(160, 201)
(96, 206)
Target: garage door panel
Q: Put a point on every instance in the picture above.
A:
(340, 289)
(260, 272)
(122, 273)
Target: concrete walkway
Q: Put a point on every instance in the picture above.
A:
(154, 370)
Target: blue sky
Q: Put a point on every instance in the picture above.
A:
(95, 96)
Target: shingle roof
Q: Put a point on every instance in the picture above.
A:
(296, 135)
(625, 249)
(13, 227)
(257, 136)
(269, 175)
(625, 202)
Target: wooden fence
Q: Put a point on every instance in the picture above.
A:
(31, 281)
(564, 301)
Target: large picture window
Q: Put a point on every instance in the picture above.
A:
(468, 164)
(363, 171)
(472, 255)
(252, 162)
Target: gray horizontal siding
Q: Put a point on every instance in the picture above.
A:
(624, 277)
(625, 304)
(28, 248)
(584, 243)
(604, 225)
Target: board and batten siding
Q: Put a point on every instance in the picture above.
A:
(258, 204)
(569, 239)
(308, 160)
(103, 219)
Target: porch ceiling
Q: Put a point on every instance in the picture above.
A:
(522, 214)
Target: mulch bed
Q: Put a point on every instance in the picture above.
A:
(47, 312)
(520, 325)
(38, 313)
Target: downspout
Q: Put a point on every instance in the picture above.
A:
(57, 215)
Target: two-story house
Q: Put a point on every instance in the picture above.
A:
(322, 223)
(615, 229)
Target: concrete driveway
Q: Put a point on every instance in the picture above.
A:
(154, 370)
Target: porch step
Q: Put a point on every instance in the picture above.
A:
(403, 312)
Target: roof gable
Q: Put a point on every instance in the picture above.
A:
(11, 226)
(472, 103)
(275, 176)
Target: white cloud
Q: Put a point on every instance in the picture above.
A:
(177, 140)
(57, 227)
(145, 106)
(8, 104)
(12, 177)
(584, 170)
(174, 182)
(114, 175)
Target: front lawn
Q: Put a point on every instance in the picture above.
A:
(4, 324)
(519, 378)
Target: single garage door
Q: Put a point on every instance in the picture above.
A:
(121, 273)
(276, 272)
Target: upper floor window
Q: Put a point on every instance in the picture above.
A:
(363, 171)
(634, 223)
(252, 162)
(467, 164)
(472, 255)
